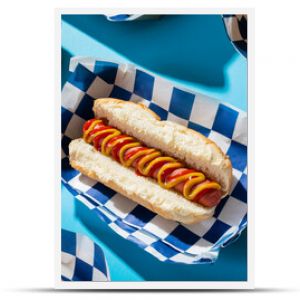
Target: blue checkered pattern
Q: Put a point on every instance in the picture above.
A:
(236, 27)
(81, 259)
(122, 17)
(227, 126)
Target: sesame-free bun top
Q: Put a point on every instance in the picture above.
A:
(171, 138)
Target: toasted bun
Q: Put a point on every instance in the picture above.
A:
(142, 190)
(173, 139)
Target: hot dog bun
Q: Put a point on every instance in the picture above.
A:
(173, 139)
(142, 190)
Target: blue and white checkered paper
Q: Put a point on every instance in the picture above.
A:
(236, 27)
(227, 126)
(81, 259)
(123, 17)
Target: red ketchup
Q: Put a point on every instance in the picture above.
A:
(204, 191)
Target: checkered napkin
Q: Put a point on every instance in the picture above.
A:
(236, 27)
(81, 259)
(122, 17)
(227, 126)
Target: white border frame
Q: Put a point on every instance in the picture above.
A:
(170, 285)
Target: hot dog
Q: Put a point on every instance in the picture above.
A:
(149, 162)
(171, 170)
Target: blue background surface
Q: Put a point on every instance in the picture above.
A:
(192, 51)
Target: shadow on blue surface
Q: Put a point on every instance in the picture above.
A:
(230, 266)
(164, 45)
(65, 62)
